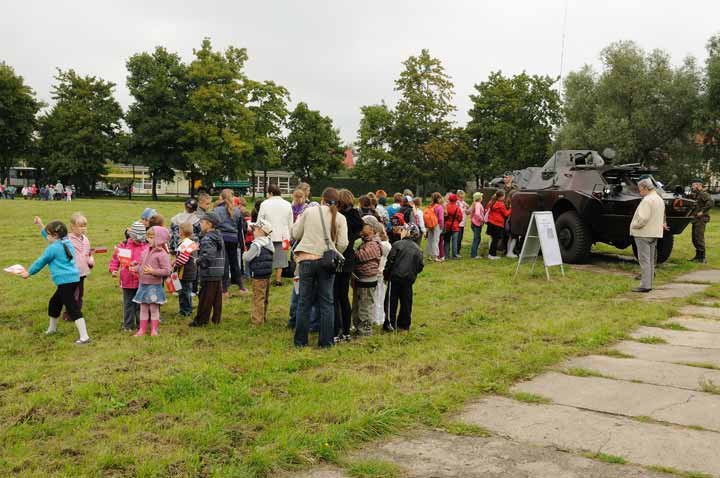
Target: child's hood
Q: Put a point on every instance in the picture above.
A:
(162, 236)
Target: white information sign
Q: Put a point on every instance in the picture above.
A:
(542, 237)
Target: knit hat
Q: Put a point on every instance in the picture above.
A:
(408, 199)
(413, 231)
(264, 226)
(477, 196)
(191, 204)
(397, 220)
(697, 180)
(210, 217)
(452, 197)
(374, 223)
(148, 213)
(137, 231)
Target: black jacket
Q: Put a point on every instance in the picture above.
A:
(354, 226)
(404, 262)
(211, 257)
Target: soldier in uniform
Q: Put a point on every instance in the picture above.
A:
(701, 216)
(510, 189)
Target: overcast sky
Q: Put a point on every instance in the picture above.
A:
(337, 55)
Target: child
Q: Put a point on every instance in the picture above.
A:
(129, 283)
(59, 257)
(210, 271)
(154, 266)
(404, 263)
(84, 259)
(497, 214)
(186, 254)
(367, 265)
(385, 246)
(477, 219)
(259, 260)
(145, 216)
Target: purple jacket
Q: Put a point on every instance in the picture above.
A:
(157, 258)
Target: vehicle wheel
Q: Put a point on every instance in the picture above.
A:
(574, 237)
(664, 248)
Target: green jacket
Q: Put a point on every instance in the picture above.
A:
(703, 204)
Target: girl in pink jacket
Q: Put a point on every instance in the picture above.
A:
(127, 252)
(154, 266)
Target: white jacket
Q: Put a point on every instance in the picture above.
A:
(278, 212)
(649, 217)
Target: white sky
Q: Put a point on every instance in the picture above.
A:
(339, 55)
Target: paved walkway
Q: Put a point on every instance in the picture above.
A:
(655, 406)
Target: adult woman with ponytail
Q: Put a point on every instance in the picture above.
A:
(316, 230)
(232, 228)
(59, 256)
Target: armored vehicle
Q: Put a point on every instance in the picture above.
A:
(592, 201)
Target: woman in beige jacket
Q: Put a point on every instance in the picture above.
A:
(647, 227)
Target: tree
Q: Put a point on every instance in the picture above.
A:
(217, 132)
(512, 120)
(158, 82)
(79, 134)
(268, 103)
(413, 140)
(18, 110)
(313, 149)
(639, 104)
(708, 127)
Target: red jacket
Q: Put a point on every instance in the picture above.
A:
(453, 217)
(498, 214)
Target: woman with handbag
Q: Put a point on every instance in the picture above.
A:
(322, 237)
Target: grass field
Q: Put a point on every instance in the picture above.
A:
(238, 400)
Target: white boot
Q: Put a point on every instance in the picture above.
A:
(52, 326)
(82, 329)
(511, 248)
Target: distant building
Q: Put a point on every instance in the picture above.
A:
(349, 159)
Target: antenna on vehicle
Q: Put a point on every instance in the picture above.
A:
(562, 46)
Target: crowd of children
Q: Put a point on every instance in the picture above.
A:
(205, 249)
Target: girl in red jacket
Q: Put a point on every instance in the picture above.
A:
(497, 215)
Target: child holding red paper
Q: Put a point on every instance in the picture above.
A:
(128, 252)
(186, 254)
(155, 265)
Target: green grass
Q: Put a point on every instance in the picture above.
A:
(700, 365)
(530, 398)
(238, 400)
(652, 340)
(680, 473)
(605, 458)
(616, 354)
(709, 386)
(582, 372)
(466, 430)
(373, 469)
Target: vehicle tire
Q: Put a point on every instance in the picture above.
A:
(664, 248)
(574, 237)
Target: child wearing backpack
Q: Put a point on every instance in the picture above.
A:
(434, 217)
(259, 262)
(453, 218)
(496, 215)
(477, 219)
(404, 263)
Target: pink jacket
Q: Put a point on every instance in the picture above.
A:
(83, 255)
(477, 214)
(440, 213)
(156, 258)
(128, 278)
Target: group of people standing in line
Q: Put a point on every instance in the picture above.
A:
(210, 247)
(48, 192)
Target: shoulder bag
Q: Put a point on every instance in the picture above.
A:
(331, 259)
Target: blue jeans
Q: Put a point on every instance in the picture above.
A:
(185, 297)
(451, 242)
(316, 289)
(477, 238)
(314, 322)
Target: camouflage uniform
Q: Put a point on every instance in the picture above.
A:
(703, 205)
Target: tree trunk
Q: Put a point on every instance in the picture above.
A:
(252, 182)
(154, 186)
(191, 186)
(265, 181)
(477, 181)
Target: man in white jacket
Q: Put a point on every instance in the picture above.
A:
(278, 212)
(647, 227)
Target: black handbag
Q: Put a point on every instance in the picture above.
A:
(331, 259)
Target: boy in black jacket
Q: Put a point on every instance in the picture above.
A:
(210, 271)
(404, 263)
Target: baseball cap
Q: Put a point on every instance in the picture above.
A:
(262, 225)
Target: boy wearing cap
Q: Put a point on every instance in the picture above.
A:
(404, 263)
(367, 263)
(259, 262)
(210, 270)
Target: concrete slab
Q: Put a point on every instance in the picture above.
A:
(711, 276)
(668, 404)
(699, 325)
(646, 371)
(680, 337)
(673, 291)
(568, 428)
(669, 353)
(712, 312)
(441, 455)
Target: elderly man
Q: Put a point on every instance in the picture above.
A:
(647, 227)
(701, 216)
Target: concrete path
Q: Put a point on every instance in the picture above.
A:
(654, 404)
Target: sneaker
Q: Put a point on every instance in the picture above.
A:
(493, 257)
(458, 256)
(478, 257)
(347, 337)
(82, 342)
(338, 339)
(50, 332)
(193, 294)
(127, 329)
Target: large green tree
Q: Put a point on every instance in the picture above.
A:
(640, 104)
(158, 82)
(79, 134)
(219, 126)
(268, 103)
(413, 142)
(708, 128)
(511, 122)
(313, 149)
(18, 110)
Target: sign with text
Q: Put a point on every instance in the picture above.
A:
(542, 237)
